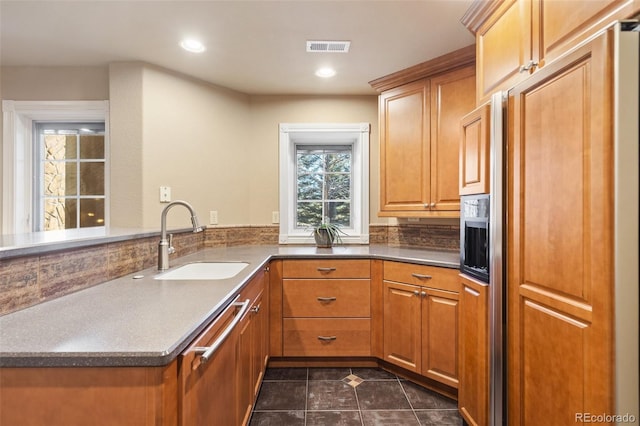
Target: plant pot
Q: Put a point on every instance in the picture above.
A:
(323, 238)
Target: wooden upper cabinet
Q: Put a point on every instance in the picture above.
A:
(475, 138)
(515, 38)
(404, 149)
(452, 96)
(420, 110)
(503, 46)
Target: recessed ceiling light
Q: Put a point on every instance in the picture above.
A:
(192, 45)
(325, 72)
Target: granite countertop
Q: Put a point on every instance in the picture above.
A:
(142, 321)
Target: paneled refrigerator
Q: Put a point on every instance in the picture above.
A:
(563, 239)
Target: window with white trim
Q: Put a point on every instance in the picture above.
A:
(70, 184)
(21, 190)
(324, 176)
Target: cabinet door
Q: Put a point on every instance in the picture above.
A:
(260, 349)
(503, 45)
(252, 347)
(200, 383)
(559, 247)
(475, 138)
(402, 325)
(560, 25)
(244, 369)
(473, 355)
(404, 148)
(452, 96)
(440, 336)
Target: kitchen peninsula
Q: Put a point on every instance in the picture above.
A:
(136, 328)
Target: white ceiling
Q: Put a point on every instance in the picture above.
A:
(256, 47)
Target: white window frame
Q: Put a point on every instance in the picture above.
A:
(354, 134)
(18, 160)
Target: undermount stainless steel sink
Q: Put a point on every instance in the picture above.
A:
(204, 271)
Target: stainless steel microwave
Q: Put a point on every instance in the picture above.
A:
(474, 236)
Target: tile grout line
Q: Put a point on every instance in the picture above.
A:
(404, 392)
(306, 398)
(357, 400)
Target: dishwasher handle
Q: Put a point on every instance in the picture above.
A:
(208, 351)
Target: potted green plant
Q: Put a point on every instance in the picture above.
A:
(326, 234)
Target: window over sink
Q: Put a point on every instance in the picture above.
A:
(324, 176)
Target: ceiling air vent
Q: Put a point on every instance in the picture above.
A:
(328, 46)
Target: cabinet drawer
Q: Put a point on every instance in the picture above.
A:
(326, 298)
(327, 337)
(422, 275)
(326, 268)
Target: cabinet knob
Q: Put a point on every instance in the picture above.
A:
(432, 205)
(530, 66)
(416, 293)
(423, 294)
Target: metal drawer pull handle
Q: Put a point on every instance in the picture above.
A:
(422, 276)
(207, 352)
(326, 299)
(326, 269)
(327, 338)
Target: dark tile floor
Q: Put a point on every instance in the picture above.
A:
(347, 396)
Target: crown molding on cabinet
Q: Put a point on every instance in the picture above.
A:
(447, 62)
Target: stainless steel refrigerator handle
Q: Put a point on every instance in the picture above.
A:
(207, 352)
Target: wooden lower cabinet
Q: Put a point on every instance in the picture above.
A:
(420, 323)
(326, 308)
(89, 395)
(473, 356)
(253, 351)
(200, 399)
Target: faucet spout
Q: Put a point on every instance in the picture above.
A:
(164, 246)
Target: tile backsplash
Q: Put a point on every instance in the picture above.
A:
(29, 280)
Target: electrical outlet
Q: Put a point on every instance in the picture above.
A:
(213, 217)
(165, 194)
(275, 217)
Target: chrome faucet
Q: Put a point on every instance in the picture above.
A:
(165, 248)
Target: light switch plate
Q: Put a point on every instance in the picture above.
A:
(275, 217)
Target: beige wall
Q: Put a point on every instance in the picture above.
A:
(52, 84)
(195, 138)
(267, 112)
(216, 148)
(125, 148)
